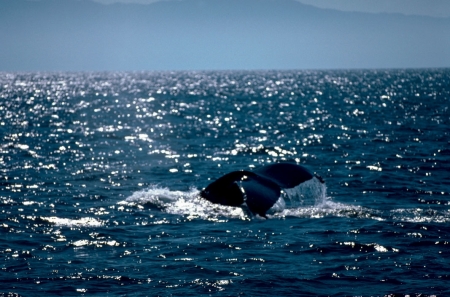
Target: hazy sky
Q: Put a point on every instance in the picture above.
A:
(436, 8)
(226, 34)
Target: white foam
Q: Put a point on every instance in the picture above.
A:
(83, 222)
(185, 203)
(307, 199)
(158, 196)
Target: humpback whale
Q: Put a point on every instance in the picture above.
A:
(258, 189)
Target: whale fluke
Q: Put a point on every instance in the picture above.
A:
(258, 189)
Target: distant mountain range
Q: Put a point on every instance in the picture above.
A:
(212, 34)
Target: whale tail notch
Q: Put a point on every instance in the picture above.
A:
(260, 194)
(239, 187)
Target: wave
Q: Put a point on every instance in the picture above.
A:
(308, 200)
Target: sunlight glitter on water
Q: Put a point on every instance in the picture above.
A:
(100, 178)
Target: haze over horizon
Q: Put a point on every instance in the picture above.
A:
(433, 8)
(50, 35)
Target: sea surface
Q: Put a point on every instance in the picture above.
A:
(100, 176)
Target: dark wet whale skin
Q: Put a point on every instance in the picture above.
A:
(259, 189)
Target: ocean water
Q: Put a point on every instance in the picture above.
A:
(100, 176)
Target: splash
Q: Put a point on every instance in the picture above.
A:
(159, 197)
(184, 203)
(309, 198)
(309, 193)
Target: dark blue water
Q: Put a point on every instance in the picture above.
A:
(100, 175)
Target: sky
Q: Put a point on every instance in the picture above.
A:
(71, 35)
(435, 8)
